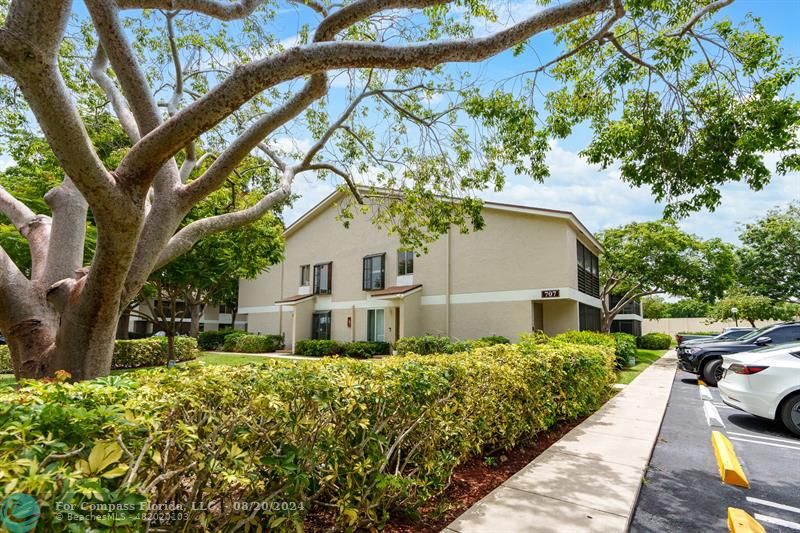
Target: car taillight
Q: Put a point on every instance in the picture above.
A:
(746, 369)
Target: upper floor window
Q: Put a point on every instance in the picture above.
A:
(405, 262)
(322, 278)
(374, 272)
(305, 275)
(588, 272)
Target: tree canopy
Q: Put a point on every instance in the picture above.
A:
(770, 255)
(680, 97)
(648, 258)
(751, 308)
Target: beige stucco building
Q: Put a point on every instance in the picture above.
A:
(528, 269)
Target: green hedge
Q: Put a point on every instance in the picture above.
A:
(432, 344)
(363, 440)
(229, 345)
(254, 343)
(153, 351)
(655, 341)
(215, 339)
(5, 360)
(625, 348)
(358, 350)
(624, 345)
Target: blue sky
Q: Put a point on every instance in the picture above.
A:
(597, 196)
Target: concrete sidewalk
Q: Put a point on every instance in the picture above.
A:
(590, 479)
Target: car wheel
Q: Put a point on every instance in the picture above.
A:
(712, 372)
(790, 415)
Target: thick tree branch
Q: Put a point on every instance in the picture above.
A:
(35, 228)
(221, 10)
(248, 80)
(224, 165)
(134, 86)
(118, 103)
(65, 253)
(187, 237)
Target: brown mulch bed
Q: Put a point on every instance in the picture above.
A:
(471, 481)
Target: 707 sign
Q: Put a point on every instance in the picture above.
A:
(551, 293)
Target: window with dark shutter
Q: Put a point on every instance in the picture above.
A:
(374, 272)
(322, 278)
(588, 272)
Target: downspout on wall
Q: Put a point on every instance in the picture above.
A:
(447, 285)
(280, 307)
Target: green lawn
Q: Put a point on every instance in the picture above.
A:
(6, 380)
(644, 358)
(231, 360)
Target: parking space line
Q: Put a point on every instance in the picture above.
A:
(777, 521)
(750, 435)
(775, 505)
(766, 443)
(723, 406)
(712, 415)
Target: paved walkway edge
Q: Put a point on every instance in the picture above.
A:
(590, 479)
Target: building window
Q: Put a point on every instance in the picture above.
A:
(405, 263)
(375, 318)
(322, 278)
(631, 327)
(374, 272)
(589, 319)
(305, 275)
(321, 325)
(631, 308)
(588, 272)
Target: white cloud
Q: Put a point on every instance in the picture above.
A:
(6, 162)
(600, 199)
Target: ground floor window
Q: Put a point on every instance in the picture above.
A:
(589, 317)
(321, 325)
(375, 329)
(632, 327)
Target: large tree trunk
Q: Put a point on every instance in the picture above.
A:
(31, 343)
(196, 310)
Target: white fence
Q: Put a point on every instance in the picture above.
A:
(685, 325)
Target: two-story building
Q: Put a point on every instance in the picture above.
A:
(528, 269)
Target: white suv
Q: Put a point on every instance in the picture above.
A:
(765, 382)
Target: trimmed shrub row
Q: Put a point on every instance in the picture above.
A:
(253, 343)
(152, 351)
(215, 339)
(357, 350)
(364, 440)
(432, 344)
(655, 341)
(623, 344)
(5, 360)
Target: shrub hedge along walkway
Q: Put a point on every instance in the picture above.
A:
(363, 439)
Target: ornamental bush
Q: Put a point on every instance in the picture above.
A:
(317, 348)
(153, 351)
(625, 348)
(655, 341)
(364, 440)
(229, 344)
(255, 343)
(5, 360)
(432, 344)
(366, 349)
(215, 339)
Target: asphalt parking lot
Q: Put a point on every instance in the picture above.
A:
(682, 490)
